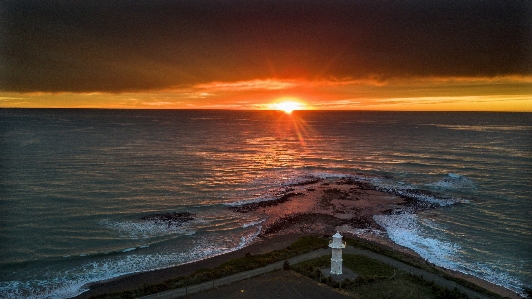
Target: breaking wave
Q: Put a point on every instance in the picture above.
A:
(454, 181)
(74, 281)
(146, 229)
(408, 230)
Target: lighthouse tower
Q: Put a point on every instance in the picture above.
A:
(336, 261)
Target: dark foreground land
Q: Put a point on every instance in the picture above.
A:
(277, 284)
(382, 273)
(315, 208)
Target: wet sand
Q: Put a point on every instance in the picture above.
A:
(317, 207)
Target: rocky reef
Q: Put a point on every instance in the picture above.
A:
(172, 219)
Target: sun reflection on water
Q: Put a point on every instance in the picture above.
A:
(285, 146)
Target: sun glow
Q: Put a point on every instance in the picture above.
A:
(288, 106)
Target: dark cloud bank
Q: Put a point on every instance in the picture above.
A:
(138, 45)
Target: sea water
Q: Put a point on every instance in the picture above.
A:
(75, 183)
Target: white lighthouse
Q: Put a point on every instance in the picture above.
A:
(336, 261)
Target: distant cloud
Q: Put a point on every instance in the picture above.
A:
(10, 98)
(268, 84)
(472, 101)
(145, 45)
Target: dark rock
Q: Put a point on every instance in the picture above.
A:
(249, 207)
(361, 221)
(309, 180)
(301, 220)
(172, 219)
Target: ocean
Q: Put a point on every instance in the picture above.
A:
(76, 183)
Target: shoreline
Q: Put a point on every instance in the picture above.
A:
(262, 245)
(494, 288)
(309, 208)
(135, 280)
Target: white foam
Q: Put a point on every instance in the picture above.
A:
(380, 183)
(39, 289)
(410, 231)
(454, 181)
(249, 238)
(414, 193)
(329, 175)
(407, 190)
(361, 232)
(72, 282)
(454, 176)
(297, 183)
(253, 223)
(301, 180)
(406, 230)
(146, 229)
(493, 274)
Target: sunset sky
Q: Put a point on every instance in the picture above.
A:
(250, 54)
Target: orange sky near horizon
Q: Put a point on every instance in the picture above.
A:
(236, 54)
(507, 94)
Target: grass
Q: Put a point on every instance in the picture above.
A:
(247, 262)
(374, 279)
(416, 262)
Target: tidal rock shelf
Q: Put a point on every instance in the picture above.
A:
(171, 219)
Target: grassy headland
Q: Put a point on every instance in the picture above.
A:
(375, 279)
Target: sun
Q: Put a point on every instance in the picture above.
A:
(288, 106)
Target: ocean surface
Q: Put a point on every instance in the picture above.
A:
(76, 183)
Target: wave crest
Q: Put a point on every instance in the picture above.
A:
(146, 229)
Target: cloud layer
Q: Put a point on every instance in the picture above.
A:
(117, 46)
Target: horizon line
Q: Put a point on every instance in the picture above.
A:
(259, 110)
